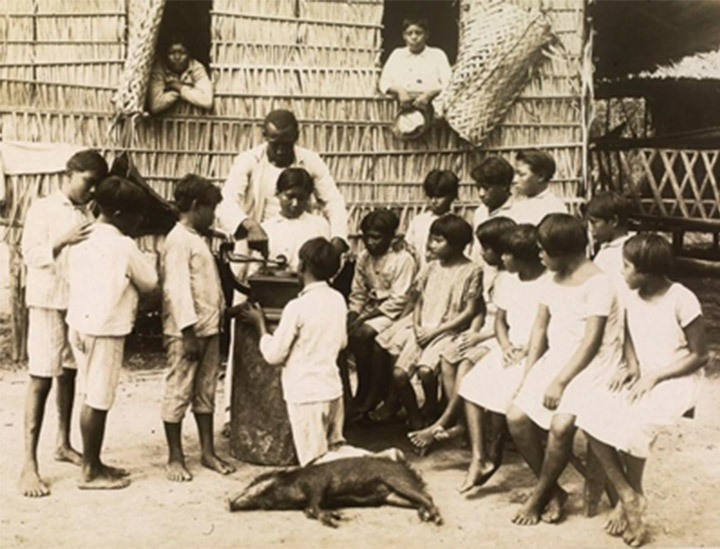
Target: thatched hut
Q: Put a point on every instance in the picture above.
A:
(62, 62)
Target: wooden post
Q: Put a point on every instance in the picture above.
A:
(18, 311)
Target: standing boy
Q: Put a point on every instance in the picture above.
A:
(105, 274)
(193, 304)
(53, 223)
(306, 343)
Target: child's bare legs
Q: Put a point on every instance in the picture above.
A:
(65, 400)
(31, 484)
(451, 383)
(385, 389)
(429, 382)
(630, 493)
(547, 499)
(361, 345)
(208, 457)
(175, 468)
(485, 458)
(634, 468)
(406, 393)
(95, 474)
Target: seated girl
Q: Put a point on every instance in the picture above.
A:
(417, 73)
(178, 77)
(665, 350)
(449, 293)
(490, 386)
(380, 287)
(464, 351)
(576, 339)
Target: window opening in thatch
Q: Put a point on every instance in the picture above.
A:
(190, 19)
(443, 16)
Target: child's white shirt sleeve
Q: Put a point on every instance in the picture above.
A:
(275, 348)
(141, 272)
(176, 285)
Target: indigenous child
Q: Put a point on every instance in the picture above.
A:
(53, 224)
(417, 73)
(575, 342)
(106, 272)
(465, 350)
(450, 296)
(380, 287)
(488, 389)
(607, 214)
(294, 225)
(306, 343)
(533, 199)
(493, 177)
(193, 305)
(665, 350)
(441, 190)
(178, 77)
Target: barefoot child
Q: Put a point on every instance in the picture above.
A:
(450, 296)
(53, 224)
(533, 198)
(488, 389)
(464, 351)
(380, 287)
(441, 190)
(665, 350)
(306, 344)
(105, 273)
(575, 341)
(193, 305)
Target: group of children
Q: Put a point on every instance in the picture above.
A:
(526, 334)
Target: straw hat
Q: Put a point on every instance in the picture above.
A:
(412, 123)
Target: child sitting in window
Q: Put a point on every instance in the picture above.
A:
(450, 296)
(177, 76)
(379, 294)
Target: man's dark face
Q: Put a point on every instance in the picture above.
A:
(280, 145)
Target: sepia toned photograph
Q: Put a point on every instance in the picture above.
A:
(351, 273)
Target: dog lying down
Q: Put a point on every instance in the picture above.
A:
(321, 488)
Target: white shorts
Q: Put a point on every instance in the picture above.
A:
(99, 360)
(316, 427)
(47, 342)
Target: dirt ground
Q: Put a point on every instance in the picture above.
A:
(683, 483)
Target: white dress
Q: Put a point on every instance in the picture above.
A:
(492, 384)
(570, 307)
(656, 328)
(417, 236)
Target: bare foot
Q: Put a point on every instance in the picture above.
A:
(216, 464)
(554, 509)
(177, 472)
(423, 437)
(31, 485)
(68, 454)
(616, 522)
(528, 515)
(385, 413)
(102, 481)
(634, 534)
(478, 474)
(115, 472)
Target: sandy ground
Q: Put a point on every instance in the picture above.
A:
(682, 480)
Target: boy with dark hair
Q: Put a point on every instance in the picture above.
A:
(192, 312)
(381, 283)
(53, 224)
(306, 344)
(105, 274)
(534, 200)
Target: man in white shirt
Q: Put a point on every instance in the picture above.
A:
(533, 199)
(249, 193)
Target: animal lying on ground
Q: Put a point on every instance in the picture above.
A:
(321, 488)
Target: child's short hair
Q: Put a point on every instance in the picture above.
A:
(116, 193)
(417, 21)
(649, 253)
(606, 205)
(382, 220)
(320, 258)
(491, 233)
(541, 163)
(295, 178)
(88, 160)
(562, 234)
(454, 229)
(493, 171)
(282, 119)
(194, 188)
(522, 243)
(441, 183)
